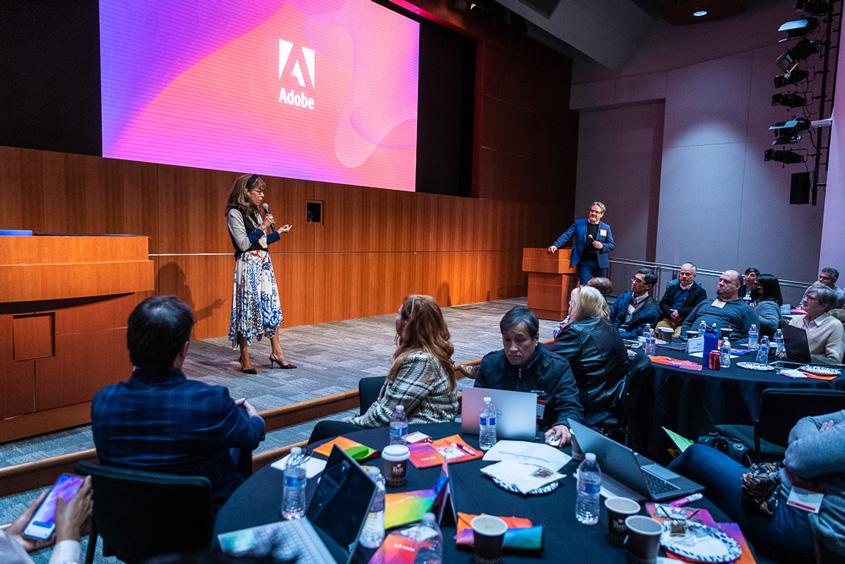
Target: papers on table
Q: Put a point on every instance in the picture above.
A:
(528, 453)
(312, 467)
(792, 373)
(524, 477)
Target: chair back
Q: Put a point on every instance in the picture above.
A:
(781, 408)
(636, 414)
(368, 390)
(143, 514)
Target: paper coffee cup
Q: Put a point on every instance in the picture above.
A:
(643, 539)
(395, 465)
(488, 536)
(619, 509)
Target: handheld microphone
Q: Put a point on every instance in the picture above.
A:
(590, 235)
(267, 212)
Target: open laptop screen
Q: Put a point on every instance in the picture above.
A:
(340, 504)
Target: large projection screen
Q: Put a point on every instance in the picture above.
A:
(310, 89)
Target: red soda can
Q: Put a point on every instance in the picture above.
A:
(715, 360)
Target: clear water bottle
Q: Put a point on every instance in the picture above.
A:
(373, 534)
(726, 353)
(650, 343)
(399, 426)
(780, 351)
(702, 328)
(763, 351)
(293, 492)
(752, 337)
(487, 425)
(647, 331)
(428, 541)
(587, 504)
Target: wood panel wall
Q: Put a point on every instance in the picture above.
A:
(373, 247)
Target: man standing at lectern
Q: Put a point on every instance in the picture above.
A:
(591, 241)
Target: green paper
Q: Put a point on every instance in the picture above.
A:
(681, 442)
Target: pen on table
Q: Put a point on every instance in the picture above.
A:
(462, 448)
(686, 500)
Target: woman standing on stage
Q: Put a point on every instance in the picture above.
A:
(256, 311)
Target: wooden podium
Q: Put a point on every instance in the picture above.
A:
(64, 302)
(550, 281)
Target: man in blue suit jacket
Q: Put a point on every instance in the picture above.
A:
(591, 258)
(159, 420)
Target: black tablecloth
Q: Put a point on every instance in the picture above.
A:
(692, 402)
(258, 502)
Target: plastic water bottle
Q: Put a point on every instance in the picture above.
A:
(399, 426)
(780, 351)
(650, 342)
(752, 337)
(726, 353)
(589, 491)
(487, 425)
(428, 541)
(373, 534)
(702, 328)
(293, 492)
(763, 351)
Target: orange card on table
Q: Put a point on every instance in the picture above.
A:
(355, 449)
(451, 449)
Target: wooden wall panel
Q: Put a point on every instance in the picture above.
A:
(17, 381)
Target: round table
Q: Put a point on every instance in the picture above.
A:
(692, 402)
(258, 502)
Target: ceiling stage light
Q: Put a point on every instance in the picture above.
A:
(785, 157)
(788, 100)
(793, 77)
(803, 49)
(788, 131)
(798, 28)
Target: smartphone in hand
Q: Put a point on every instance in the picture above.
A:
(43, 522)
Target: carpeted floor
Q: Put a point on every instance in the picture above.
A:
(331, 358)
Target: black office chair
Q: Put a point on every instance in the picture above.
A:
(627, 424)
(144, 514)
(368, 390)
(780, 410)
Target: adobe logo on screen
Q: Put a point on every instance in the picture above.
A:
(290, 97)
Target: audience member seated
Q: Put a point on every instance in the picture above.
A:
(824, 333)
(72, 519)
(767, 305)
(159, 420)
(680, 297)
(525, 365)
(421, 378)
(600, 283)
(595, 352)
(828, 276)
(635, 308)
(751, 275)
(816, 455)
(727, 310)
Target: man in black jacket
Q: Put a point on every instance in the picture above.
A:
(680, 298)
(525, 365)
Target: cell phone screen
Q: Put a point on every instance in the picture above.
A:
(43, 523)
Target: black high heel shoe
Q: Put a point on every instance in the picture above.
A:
(287, 366)
(248, 370)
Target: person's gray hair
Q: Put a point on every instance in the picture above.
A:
(824, 294)
(691, 267)
(587, 303)
(832, 271)
(601, 205)
(517, 315)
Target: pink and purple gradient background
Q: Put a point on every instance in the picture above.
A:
(197, 84)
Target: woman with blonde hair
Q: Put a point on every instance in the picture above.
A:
(420, 379)
(596, 353)
(256, 310)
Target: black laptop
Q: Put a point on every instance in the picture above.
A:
(618, 462)
(795, 342)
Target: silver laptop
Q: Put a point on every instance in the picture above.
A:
(328, 534)
(516, 411)
(645, 477)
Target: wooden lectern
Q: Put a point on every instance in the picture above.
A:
(550, 281)
(64, 302)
